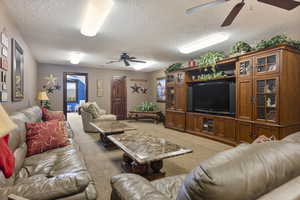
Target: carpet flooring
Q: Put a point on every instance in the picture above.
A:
(103, 163)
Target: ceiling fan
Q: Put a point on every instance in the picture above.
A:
(284, 4)
(126, 59)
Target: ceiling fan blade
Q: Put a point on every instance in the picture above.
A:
(233, 14)
(284, 4)
(126, 63)
(138, 61)
(206, 5)
(113, 61)
(132, 58)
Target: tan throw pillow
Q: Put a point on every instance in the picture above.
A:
(93, 109)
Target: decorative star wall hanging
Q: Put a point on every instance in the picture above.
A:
(135, 88)
(51, 79)
(144, 90)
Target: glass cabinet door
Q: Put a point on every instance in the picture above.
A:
(245, 67)
(266, 64)
(266, 99)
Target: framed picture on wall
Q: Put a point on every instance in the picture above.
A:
(161, 89)
(4, 52)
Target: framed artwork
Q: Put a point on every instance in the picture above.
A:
(99, 88)
(161, 89)
(3, 96)
(17, 72)
(4, 39)
(3, 63)
(4, 52)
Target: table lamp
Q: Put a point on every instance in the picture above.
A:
(6, 125)
(42, 96)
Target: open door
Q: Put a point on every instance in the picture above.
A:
(119, 97)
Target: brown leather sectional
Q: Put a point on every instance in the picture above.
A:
(59, 174)
(268, 171)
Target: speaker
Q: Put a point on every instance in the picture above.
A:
(190, 105)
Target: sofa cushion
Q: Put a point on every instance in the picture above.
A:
(44, 136)
(169, 186)
(54, 115)
(246, 172)
(107, 118)
(293, 138)
(34, 114)
(93, 109)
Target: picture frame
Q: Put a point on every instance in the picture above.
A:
(99, 88)
(4, 51)
(161, 89)
(4, 39)
(3, 63)
(3, 96)
(17, 72)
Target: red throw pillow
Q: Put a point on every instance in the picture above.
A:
(53, 115)
(44, 136)
(7, 159)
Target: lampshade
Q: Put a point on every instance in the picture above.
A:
(42, 96)
(6, 125)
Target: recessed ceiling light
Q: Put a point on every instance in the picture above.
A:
(75, 58)
(96, 12)
(204, 42)
(141, 66)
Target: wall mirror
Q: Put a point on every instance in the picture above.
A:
(17, 72)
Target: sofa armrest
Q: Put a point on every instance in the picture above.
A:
(15, 197)
(134, 187)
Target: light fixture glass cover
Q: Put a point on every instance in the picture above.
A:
(75, 58)
(94, 17)
(204, 42)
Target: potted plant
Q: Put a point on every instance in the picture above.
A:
(277, 40)
(239, 48)
(174, 67)
(210, 59)
(146, 107)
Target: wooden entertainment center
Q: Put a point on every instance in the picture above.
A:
(267, 97)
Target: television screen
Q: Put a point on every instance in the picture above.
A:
(213, 96)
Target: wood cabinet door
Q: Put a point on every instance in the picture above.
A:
(225, 128)
(245, 132)
(169, 119)
(179, 121)
(267, 63)
(245, 68)
(180, 97)
(193, 122)
(268, 131)
(244, 99)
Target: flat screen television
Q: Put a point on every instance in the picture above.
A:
(217, 97)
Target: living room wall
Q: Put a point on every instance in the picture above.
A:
(30, 65)
(94, 74)
(152, 80)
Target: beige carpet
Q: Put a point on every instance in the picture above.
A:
(103, 164)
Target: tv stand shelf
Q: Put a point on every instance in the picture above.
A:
(267, 97)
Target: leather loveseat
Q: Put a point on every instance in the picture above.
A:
(267, 171)
(56, 174)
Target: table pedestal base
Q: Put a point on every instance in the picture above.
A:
(150, 171)
(106, 142)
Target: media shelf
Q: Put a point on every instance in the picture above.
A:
(212, 79)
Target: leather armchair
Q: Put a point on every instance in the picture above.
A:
(58, 174)
(87, 116)
(247, 172)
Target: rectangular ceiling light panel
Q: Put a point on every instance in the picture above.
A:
(96, 12)
(204, 42)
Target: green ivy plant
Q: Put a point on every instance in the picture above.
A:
(210, 59)
(146, 107)
(240, 47)
(277, 40)
(174, 67)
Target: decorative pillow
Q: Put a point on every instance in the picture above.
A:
(44, 136)
(94, 109)
(53, 115)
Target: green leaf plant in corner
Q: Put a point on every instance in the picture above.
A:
(240, 48)
(210, 59)
(277, 40)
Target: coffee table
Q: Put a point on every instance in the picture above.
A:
(142, 150)
(107, 128)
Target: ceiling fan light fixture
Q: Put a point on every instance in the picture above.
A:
(75, 58)
(96, 13)
(204, 42)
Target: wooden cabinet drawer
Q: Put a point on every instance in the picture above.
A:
(193, 123)
(176, 120)
(225, 128)
(245, 132)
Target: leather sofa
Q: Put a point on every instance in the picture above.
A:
(59, 174)
(87, 116)
(267, 171)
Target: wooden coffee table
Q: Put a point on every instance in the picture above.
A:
(107, 128)
(144, 154)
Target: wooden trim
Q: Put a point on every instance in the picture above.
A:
(65, 74)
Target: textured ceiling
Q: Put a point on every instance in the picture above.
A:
(148, 29)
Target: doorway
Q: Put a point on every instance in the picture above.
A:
(75, 91)
(119, 97)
